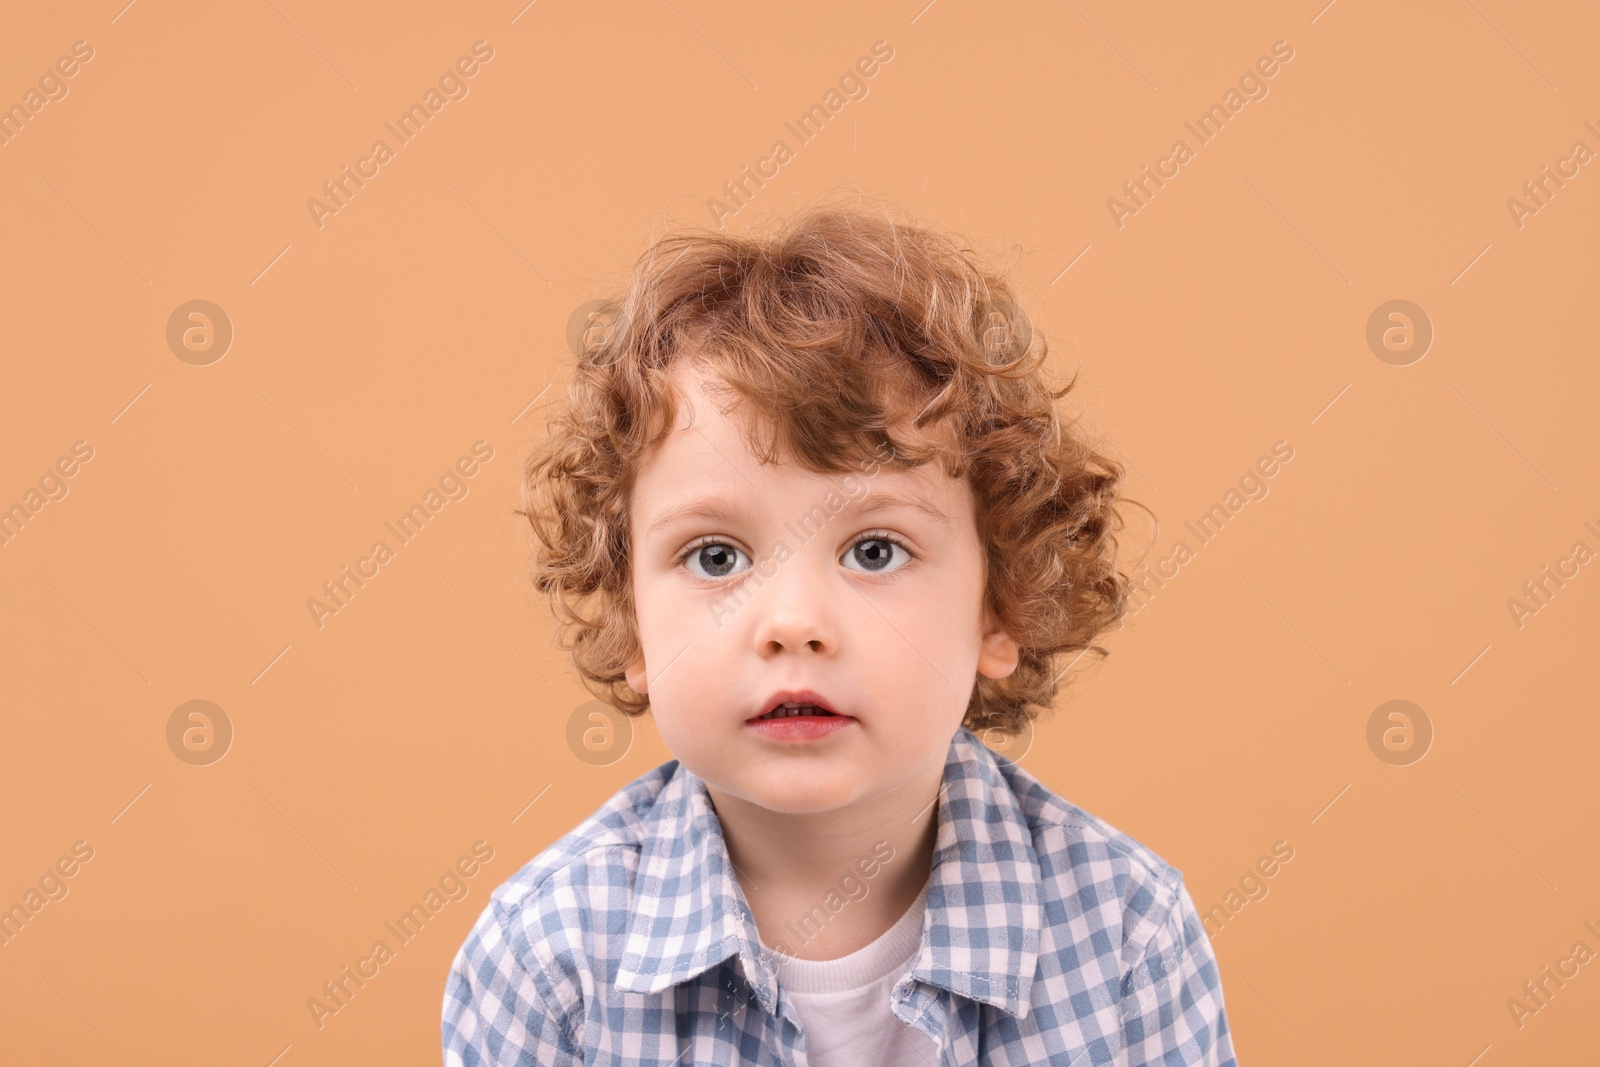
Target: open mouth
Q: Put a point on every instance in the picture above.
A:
(790, 711)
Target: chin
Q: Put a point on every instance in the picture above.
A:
(802, 794)
(789, 804)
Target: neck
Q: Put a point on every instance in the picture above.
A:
(821, 885)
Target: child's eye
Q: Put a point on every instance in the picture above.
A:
(879, 553)
(717, 556)
(876, 553)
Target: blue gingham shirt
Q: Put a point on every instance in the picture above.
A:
(1049, 937)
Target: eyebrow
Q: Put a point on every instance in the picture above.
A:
(722, 506)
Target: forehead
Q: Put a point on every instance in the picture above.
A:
(714, 446)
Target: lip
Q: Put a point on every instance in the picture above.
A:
(799, 728)
(796, 696)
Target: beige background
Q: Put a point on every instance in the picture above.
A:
(369, 354)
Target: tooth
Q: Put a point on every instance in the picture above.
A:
(784, 711)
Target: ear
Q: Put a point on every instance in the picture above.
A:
(637, 677)
(999, 653)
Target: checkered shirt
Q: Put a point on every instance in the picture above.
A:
(1050, 937)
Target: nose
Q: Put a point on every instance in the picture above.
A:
(794, 609)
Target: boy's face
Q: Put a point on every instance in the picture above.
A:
(782, 590)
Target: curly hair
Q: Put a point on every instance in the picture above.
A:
(838, 332)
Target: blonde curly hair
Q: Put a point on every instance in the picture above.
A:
(837, 332)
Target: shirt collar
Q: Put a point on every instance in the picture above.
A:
(690, 914)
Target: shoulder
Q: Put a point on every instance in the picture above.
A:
(561, 919)
(620, 824)
(1118, 916)
(1108, 873)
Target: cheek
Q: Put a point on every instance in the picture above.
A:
(685, 649)
(661, 608)
(927, 644)
(914, 649)
(942, 612)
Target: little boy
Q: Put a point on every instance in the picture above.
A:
(812, 506)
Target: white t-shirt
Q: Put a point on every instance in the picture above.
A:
(843, 1004)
